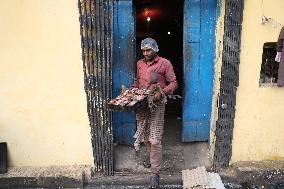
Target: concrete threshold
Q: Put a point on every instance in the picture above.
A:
(124, 178)
(133, 180)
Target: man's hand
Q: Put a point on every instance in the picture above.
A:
(157, 96)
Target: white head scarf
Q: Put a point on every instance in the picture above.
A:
(149, 43)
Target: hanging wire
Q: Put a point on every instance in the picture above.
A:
(265, 19)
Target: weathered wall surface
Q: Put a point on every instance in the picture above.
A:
(259, 123)
(218, 63)
(43, 115)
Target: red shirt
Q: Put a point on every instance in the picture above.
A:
(164, 71)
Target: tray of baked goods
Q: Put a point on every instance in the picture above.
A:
(131, 100)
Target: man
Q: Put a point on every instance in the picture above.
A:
(152, 71)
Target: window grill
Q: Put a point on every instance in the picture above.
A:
(269, 67)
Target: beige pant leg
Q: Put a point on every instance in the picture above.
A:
(156, 158)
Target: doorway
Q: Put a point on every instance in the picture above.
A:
(181, 28)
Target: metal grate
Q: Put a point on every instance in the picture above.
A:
(96, 29)
(228, 84)
(269, 67)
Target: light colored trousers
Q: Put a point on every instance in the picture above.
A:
(151, 125)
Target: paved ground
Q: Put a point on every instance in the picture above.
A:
(253, 180)
(247, 175)
(243, 175)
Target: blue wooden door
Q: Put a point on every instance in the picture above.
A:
(123, 67)
(199, 55)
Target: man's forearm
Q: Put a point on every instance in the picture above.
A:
(171, 87)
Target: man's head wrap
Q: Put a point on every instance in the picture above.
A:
(149, 43)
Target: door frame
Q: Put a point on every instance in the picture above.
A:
(104, 143)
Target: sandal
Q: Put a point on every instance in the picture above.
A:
(154, 182)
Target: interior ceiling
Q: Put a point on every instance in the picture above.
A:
(158, 10)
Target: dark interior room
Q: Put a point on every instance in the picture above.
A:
(162, 20)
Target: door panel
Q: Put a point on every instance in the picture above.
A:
(199, 51)
(124, 67)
